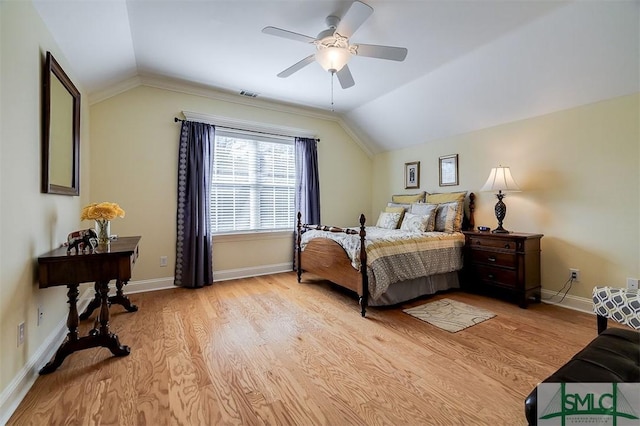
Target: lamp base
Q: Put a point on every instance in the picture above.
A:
(501, 212)
(500, 230)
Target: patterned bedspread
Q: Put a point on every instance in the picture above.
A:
(394, 255)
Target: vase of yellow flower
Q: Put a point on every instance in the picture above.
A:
(103, 231)
(103, 213)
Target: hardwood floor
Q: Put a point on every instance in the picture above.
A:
(267, 350)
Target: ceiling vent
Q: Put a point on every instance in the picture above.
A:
(249, 94)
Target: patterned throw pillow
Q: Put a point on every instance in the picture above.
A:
(450, 197)
(446, 216)
(415, 223)
(399, 209)
(428, 210)
(388, 220)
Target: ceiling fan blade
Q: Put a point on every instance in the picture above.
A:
(279, 32)
(355, 16)
(382, 52)
(297, 66)
(345, 78)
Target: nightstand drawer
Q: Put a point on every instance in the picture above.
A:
(496, 276)
(486, 257)
(504, 244)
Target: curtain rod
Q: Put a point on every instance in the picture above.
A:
(176, 119)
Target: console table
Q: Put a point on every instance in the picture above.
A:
(113, 261)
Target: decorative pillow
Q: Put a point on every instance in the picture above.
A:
(388, 220)
(446, 215)
(428, 210)
(446, 197)
(450, 197)
(415, 223)
(409, 198)
(398, 209)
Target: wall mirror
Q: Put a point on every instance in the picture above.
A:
(60, 131)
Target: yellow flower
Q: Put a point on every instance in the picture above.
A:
(101, 211)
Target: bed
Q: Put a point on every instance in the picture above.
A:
(421, 258)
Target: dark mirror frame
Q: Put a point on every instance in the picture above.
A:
(53, 70)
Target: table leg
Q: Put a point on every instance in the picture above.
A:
(70, 344)
(121, 299)
(102, 338)
(118, 299)
(93, 305)
(105, 337)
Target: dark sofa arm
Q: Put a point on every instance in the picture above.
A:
(613, 356)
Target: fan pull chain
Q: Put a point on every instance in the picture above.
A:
(332, 74)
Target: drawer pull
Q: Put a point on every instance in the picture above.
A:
(491, 259)
(491, 276)
(507, 246)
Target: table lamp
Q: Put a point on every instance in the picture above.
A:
(500, 180)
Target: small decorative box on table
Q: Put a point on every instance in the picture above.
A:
(510, 262)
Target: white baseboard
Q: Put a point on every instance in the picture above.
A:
(232, 274)
(13, 394)
(576, 303)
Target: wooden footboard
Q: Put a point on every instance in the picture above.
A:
(327, 259)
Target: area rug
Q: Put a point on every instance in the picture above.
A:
(450, 315)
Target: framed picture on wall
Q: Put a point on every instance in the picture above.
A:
(448, 167)
(412, 175)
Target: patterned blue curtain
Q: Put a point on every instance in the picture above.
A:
(307, 196)
(194, 264)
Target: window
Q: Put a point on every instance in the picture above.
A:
(253, 182)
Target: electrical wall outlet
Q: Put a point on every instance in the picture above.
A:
(632, 283)
(40, 316)
(20, 334)
(163, 260)
(574, 274)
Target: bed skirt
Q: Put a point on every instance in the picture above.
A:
(412, 289)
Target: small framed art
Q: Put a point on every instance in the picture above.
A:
(412, 175)
(448, 167)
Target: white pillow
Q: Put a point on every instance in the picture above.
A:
(388, 220)
(429, 210)
(414, 223)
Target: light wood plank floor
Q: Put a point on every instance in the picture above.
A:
(267, 350)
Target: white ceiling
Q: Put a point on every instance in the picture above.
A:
(471, 64)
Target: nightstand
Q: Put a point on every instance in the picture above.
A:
(508, 262)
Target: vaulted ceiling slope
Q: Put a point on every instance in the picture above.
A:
(471, 64)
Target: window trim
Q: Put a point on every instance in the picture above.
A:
(260, 138)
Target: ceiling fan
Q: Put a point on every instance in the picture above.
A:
(333, 48)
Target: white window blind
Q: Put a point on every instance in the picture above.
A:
(253, 182)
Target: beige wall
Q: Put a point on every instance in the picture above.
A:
(579, 174)
(134, 163)
(31, 223)
(579, 171)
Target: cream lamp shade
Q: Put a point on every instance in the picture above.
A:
(333, 59)
(500, 180)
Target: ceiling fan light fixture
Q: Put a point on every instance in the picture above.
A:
(333, 59)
